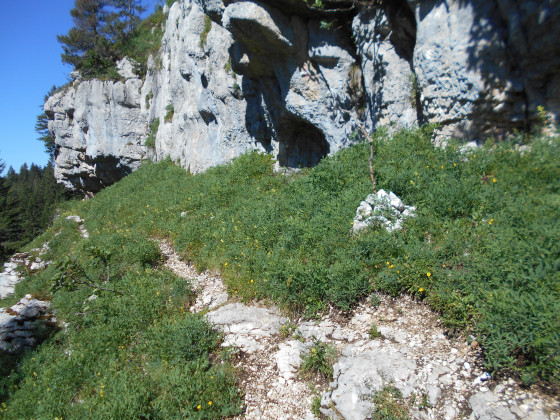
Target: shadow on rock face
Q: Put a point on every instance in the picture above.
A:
(301, 144)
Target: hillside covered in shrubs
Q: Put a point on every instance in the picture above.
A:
(482, 251)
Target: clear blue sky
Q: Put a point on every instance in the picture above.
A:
(30, 66)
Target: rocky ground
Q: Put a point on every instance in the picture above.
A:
(11, 275)
(25, 324)
(393, 349)
(437, 377)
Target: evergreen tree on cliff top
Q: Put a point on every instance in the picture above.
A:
(42, 128)
(99, 26)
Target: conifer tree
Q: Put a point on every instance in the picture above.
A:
(42, 128)
(98, 39)
(85, 46)
(124, 20)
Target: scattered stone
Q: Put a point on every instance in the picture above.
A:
(80, 222)
(288, 358)
(244, 325)
(11, 275)
(385, 208)
(430, 372)
(19, 323)
(482, 378)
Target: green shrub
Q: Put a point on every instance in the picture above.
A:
(482, 250)
(205, 31)
(170, 112)
(144, 252)
(389, 404)
(374, 332)
(319, 359)
(151, 139)
(149, 97)
(145, 41)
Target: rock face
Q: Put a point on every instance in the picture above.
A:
(205, 118)
(100, 130)
(483, 67)
(295, 81)
(11, 274)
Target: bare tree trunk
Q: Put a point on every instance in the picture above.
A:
(371, 173)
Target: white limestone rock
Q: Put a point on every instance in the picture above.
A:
(244, 326)
(358, 377)
(384, 208)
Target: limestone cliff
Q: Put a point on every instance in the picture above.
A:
(283, 77)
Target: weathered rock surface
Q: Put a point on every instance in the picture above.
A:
(388, 74)
(24, 324)
(483, 67)
(244, 325)
(213, 119)
(100, 130)
(273, 76)
(384, 208)
(10, 276)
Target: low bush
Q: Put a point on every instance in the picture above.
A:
(389, 404)
(170, 112)
(151, 139)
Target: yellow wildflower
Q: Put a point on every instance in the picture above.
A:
(210, 402)
(421, 289)
(428, 274)
(198, 407)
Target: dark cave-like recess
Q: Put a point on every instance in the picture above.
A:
(300, 144)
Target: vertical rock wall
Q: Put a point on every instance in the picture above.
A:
(289, 79)
(99, 129)
(205, 118)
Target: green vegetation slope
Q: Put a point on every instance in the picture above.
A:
(482, 250)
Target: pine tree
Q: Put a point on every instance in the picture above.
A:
(102, 29)
(85, 46)
(42, 128)
(5, 215)
(123, 22)
(28, 200)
